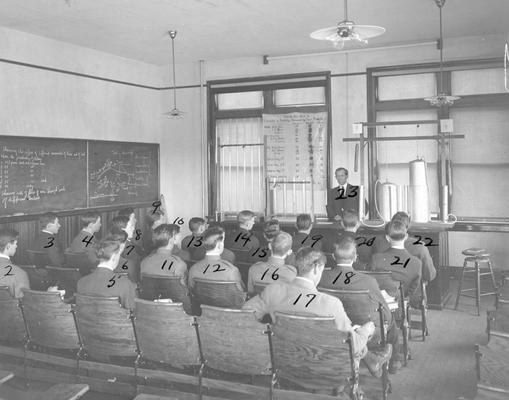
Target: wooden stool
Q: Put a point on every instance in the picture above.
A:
(476, 256)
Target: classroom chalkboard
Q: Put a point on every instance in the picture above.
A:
(48, 174)
(40, 174)
(122, 173)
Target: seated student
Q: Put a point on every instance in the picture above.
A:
(194, 243)
(212, 267)
(365, 244)
(127, 264)
(301, 296)
(162, 261)
(153, 220)
(11, 275)
(137, 236)
(48, 241)
(86, 240)
(405, 268)
(304, 236)
(103, 281)
(414, 247)
(242, 241)
(270, 229)
(274, 268)
(344, 277)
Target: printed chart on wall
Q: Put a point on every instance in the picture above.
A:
(122, 173)
(296, 146)
(41, 174)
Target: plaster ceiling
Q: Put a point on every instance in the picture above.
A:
(221, 29)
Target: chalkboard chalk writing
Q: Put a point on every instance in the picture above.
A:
(246, 237)
(275, 275)
(368, 243)
(87, 240)
(164, 264)
(178, 221)
(51, 239)
(397, 262)
(312, 295)
(8, 273)
(262, 254)
(429, 241)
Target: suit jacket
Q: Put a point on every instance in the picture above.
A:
(180, 253)
(54, 252)
(358, 281)
(266, 270)
(301, 239)
(215, 269)
(78, 245)
(284, 297)
(364, 251)
(244, 242)
(337, 201)
(103, 282)
(418, 250)
(13, 277)
(193, 244)
(163, 262)
(393, 260)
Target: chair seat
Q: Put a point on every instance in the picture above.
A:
(475, 251)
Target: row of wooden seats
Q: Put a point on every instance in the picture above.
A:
(227, 340)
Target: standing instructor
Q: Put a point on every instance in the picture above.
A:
(342, 197)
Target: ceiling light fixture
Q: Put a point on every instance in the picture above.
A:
(347, 31)
(441, 99)
(174, 112)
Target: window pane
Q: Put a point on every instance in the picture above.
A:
(477, 81)
(239, 101)
(299, 97)
(406, 86)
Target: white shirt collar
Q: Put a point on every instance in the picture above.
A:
(401, 247)
(305, 279)
(45, 231)
(4, 256)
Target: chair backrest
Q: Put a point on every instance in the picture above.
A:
(260, 286)
(38, 277)
(165, 287)
(310, 351)
(357, 304)
(79, 260)
(38, 258)
(166, 333)
(105, 327)
(49, 320)
(219, 293)
(65, 278)
(234, 341)
(12, 328)
(384, 279)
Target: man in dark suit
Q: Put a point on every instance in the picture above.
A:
(342, 197)
(103, 281)
(243, 242)
(344, 277)
(48, 241)
(125, 224)
(11, 275)
(86, 241)
(305, 236)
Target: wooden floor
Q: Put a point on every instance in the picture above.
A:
(442, 367)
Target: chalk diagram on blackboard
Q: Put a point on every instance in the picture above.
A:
(123, 173)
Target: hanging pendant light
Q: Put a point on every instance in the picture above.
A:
(441, 99)
(174, 112)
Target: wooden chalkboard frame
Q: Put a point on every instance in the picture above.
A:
(76, 211)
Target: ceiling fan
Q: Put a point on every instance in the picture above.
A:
(347, 31)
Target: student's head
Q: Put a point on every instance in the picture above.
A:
(129, 212)
(304, 222)
(91, 221)
(109, 250)
(310, 263)
(197, 225)
(213, 240)
(154, 219)
(246, 219)
(125, 223)
(166, 235)
(271, 229)
(281, 245)
(341, 175)
(403, 217)
(119, 235)
(8, 241)
(344, 250)
(49, 222)
(350, 220)
(396, 232)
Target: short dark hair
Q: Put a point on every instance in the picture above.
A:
(120, 221)
(403, 217)
(47, 218)
(271, 229)
(304, 222)
(244, 216)
(89, 218)
(211, 237)
(153, 217)
(118, 234)
(396, 230)
(341, 169)
(195, 223)
(344, 248)
(350, 218)
(307, 258)
(7, 235)
(163, 233)
(126, 211)
(106, 248)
